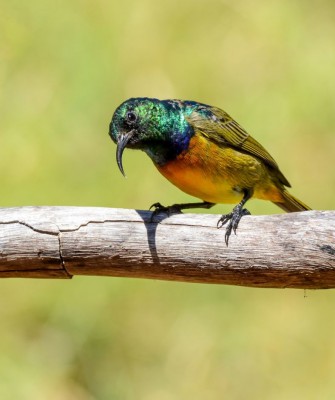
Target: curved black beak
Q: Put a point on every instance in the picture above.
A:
(121, 145)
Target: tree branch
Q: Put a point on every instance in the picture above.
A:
(294, 250)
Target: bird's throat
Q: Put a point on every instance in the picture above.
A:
(163, 151)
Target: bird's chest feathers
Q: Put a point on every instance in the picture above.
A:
(202, 171)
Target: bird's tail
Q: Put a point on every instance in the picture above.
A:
(291, 203)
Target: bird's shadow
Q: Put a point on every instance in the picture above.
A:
(151, 227)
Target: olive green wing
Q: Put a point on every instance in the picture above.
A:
(216, 125)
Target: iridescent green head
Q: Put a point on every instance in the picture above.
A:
(157, 127)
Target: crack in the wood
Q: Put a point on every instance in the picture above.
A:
(29, 226)
(61, 253)
(77, 228)
(326, 248)
(44, 232)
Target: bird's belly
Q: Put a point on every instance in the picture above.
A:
(195, 183)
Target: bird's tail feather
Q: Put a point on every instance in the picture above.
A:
(291, 203)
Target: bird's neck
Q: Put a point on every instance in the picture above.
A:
(169, 146)
(174, 136)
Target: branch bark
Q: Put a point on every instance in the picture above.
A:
(294, 250)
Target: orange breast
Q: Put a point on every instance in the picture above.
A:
(216, 174)
(201, 171)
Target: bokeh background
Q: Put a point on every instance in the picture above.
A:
(64, 67)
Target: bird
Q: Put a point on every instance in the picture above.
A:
(204, 152)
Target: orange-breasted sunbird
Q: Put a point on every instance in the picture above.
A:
(204, 152)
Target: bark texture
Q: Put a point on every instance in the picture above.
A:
(295, 250)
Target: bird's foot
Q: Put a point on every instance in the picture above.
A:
(158, 208)
(233, 218)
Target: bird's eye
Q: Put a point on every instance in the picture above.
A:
(131, 117)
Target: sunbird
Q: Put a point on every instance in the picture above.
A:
(204, 152)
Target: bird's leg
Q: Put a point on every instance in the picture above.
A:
(177, 208)
(235, 216)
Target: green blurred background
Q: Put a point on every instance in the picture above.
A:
(64, 67)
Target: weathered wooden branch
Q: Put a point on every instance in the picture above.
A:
(281, 251)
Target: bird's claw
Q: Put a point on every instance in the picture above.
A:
(233, 218)
(159, 208)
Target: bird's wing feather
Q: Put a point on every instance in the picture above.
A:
(222, 129)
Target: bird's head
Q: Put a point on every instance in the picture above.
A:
(151, 125)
